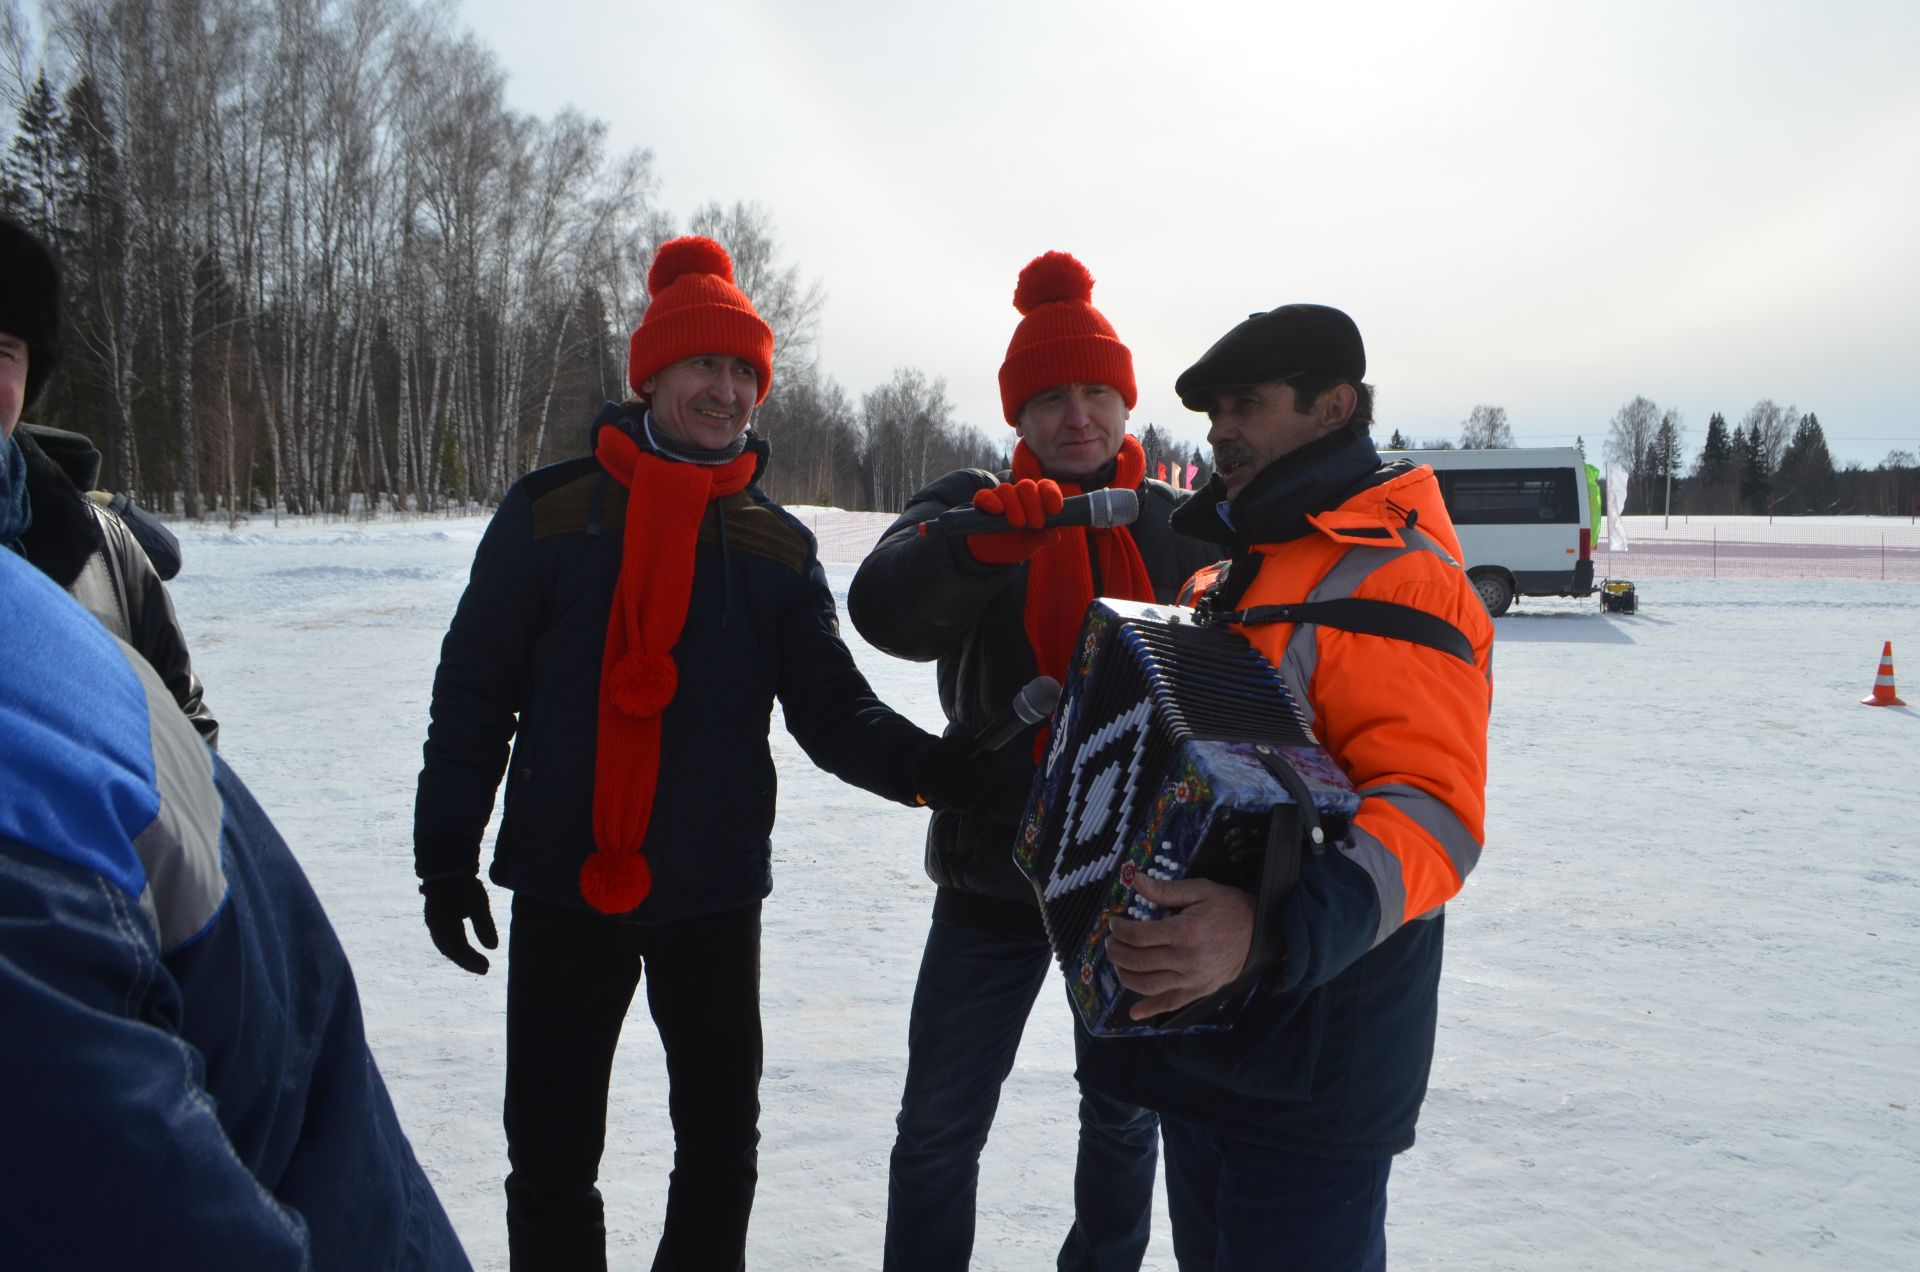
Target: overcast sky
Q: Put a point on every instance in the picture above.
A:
(1545, 207)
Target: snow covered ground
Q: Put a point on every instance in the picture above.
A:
(1680, 1025)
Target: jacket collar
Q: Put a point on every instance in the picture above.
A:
(63, 534)
(630, 417)
(75, 453)
(1276, 504)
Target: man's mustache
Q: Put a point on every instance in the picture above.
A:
(1226, 455)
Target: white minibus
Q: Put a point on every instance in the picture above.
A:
(1523, 517)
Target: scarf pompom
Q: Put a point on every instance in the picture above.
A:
(643, 684)
(615, 882)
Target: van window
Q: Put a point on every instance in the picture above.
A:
(1509, 496)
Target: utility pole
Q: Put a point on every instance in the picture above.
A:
(1668, 439)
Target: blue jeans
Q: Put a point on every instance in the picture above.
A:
(1238, 1206)
(969, 1008)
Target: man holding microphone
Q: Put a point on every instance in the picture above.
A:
(994, 609)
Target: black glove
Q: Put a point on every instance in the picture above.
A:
(451, 902)
(945, 777)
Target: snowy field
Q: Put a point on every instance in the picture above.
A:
(1680, 1025)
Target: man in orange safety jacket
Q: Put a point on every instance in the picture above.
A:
(1279, 1133)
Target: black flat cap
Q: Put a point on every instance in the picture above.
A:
(1274, 345)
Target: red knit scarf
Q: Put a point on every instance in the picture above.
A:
(637, 672)
(1059, 581)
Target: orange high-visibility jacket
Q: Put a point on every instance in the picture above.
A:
(1408, 723)
(1331, 1056)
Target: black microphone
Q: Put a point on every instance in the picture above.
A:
(1029, 707)
(1099, 510)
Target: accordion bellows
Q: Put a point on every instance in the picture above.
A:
(1167, 754)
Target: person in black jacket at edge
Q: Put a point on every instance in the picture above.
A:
(45, 514)
(633, 660)
(995, 610)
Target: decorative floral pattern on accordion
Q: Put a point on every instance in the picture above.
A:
(1158, 760)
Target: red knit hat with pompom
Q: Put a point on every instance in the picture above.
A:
(1062, 339)
(696, 309)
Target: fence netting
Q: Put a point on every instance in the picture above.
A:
(1782, 550)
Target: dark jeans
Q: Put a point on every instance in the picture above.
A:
(969, 1008)
(570, 979)
(1238, 1206)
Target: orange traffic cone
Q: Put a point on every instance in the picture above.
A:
(1883, 694)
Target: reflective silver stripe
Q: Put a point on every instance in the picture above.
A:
(1301, 658)
(1433, 816)
(1361, 560)
(180, 848)
(1298, 664)
(1383, 868)
(1441, 552)
(1421, 539)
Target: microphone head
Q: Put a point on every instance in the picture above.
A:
(1114, 508)
(1036, 702)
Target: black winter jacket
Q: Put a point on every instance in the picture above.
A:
(521, 664)
(927, 599)
(90, 552)
(77, 456)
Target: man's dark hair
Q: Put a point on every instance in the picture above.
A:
(1309, 385)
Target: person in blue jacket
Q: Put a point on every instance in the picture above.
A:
(186, 1075)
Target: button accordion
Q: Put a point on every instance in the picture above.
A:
(1176, 749)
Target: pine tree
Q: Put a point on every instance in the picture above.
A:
(1756, 483)
(1663, 455)
(101, 309)
(1713, 471)
(1716, 454)
(1806, 470)
(37, 177)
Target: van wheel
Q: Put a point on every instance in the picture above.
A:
(1496, 593)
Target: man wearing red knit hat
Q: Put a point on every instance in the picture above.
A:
(632, 660)
(996, 610)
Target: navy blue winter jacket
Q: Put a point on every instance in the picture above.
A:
(186, 1079)
(521, 664)
(927, 599)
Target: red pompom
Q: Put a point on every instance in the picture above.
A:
(1053, 277)
(614, 883)
(643, 684)
(690, 255)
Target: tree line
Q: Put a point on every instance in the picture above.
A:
(1775, 461)
(315, 262)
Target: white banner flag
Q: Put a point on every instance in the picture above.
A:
(1616, 499)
